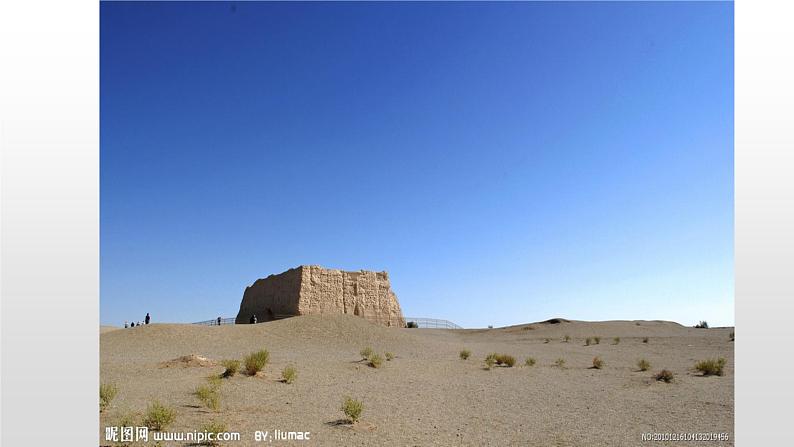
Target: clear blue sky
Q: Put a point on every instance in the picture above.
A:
(505, 163)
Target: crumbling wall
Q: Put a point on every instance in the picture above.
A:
(308, 290)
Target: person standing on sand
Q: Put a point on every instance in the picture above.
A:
(219, 321)
(253, 319)
(133, 324)
(147, 318)
(126, 325)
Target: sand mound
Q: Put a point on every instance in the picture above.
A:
(187, 361)
(161, 343)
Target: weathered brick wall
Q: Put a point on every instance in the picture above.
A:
(308, 290)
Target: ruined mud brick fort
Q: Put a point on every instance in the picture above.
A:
(312, 290)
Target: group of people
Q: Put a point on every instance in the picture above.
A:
(145, 321)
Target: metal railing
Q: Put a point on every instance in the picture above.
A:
(215, 322)
(432, 323)
(425, 323)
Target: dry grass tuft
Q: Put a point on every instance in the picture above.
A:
(158, 416)
(598, 363)
(352, 409)
(289, 374)
(232, 366)
(107, 392)
(256, 361)
(711, 367)
(664, 376)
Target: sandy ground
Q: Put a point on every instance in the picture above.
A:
(427, 395)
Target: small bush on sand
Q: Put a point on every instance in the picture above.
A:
(208, 395)
(645, 340)
(128, 420)
(507, 360)
(464, 354)
(560, 363)
(366, 353)
(643, 365)
(215, 381)
(107, 392)
(587, 341)
(546, 340)
(256, 361)
(597, 340)
(530, 361)
(566, 338)
(490, 360)
(664, 376)
(598, 363)
(616, 341)
(702, 325)
(352, 409)
(214, 427)
(232, 366)
(375, 361)
(711, 367)
(289, 374)
(389, 356)
(158, 416)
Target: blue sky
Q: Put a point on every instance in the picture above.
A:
(504, 162)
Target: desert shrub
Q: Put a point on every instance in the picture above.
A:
(215, 380)
(702, 325)
(490, 360)
(546, 340)
(107, 392)
(158, 416)
(645, 340)
(732, 336)
(566, 338)
(530, 361)
(366, 353)
(560, 363)
(500, 359)
(587, 341)
(598, 363)
(256, 361)
(208, 395)
(664, 376)
(389, 356)
(711, 367)
(375, 361)
(464, 354)
(352, 409)
(643, 365)
(597, 340)
(289, 374)
(508, 360)
(214, 427)
(232, 366)
(127, 420)
(412, 324)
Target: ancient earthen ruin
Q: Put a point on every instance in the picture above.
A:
(311, 289)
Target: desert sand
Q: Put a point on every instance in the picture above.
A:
(427, 395)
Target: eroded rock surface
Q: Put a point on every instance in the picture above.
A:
(308, 290)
